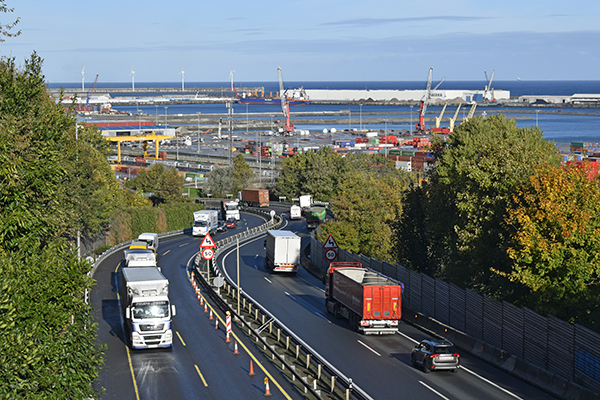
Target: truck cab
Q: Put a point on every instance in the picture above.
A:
(151, 240)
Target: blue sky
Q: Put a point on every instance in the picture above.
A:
(324, 40)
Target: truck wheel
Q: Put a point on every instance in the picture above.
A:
(425, 367)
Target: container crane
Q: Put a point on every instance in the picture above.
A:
(453, 119)
(438, 120)
(285, 107)
(421, 128)
(488, 87)
(90, 93)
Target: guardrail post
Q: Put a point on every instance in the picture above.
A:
(278, 334)
(308, 361)
(297, 351)
(332, 383)
(319, 368)
(243, 303)
(270, 327)
(249, 307)
(287, 343)
(263, 319)
(256, 314)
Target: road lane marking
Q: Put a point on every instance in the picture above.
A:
(491, 383)
(184, 244)
(255, 267)
(135, 388)
(201, 377)
(318, 314)
(166, 252)
(433, 390)
(471, 372)
(182, 342)
(267, 279)
(368, 347)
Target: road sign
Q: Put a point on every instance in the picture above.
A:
(330, 243)
(330, 254)
(208, 241)
(208, 253)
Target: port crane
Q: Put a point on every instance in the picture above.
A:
(285, 107)
(453, 119)
(90, 93)
(488, 86)
(421, 128)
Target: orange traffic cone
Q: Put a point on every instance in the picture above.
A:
(227, 340)
(201, 299)
(267, 391)
(251, 373)
(235, 348)
(216, 323)
(210, 316)
(205, 308)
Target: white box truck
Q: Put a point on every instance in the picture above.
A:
(139, 258)
(146, 307)
(305, 201)
(151, 239)
(205, 221)
(282, 251)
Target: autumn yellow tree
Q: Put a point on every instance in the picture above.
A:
(555, 221)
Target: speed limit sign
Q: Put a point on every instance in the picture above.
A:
(330, 254)
(207, 253)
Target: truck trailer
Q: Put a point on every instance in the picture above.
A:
(205, 221)
(282, 251)
(315, 215)
(254, 197)
(139, 258)
(370, 301)
(146, 307)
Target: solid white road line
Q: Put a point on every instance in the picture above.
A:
(379, 355)
(267, 279)
(433, 390)
(471, 372)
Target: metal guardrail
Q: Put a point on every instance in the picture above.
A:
(322, 373)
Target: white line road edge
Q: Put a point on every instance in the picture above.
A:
(379, 355)
(433, 390)
(471, 372)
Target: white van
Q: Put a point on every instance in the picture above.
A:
(151, 239)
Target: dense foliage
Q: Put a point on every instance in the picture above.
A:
(164, 183)
(230, 179)
(555, 222)
(455, 227)
(52, 184)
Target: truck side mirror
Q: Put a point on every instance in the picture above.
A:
(173, 311)
(128, 313)
(265, 244)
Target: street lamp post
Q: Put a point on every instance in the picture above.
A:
(360, 122)
(537, 112)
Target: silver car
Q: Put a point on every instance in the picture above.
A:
(436, 355)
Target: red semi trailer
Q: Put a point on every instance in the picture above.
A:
(370, 301)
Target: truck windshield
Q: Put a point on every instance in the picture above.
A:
(150, 309)
(231, 207)
(200, 223)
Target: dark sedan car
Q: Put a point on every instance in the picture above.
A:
(436, 355)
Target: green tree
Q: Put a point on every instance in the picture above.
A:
(555, 221)
(46, 333)
(463, 208)
(220, 181)
(169, 186)
(5, 30)
(243, 175)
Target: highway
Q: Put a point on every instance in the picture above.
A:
(202, 365)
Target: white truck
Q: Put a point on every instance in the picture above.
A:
(305, 201)
(151, 239)
(230, 209)
(146, 307)
(139, 258)
(282, 251)
(205, 221)
(295, 212)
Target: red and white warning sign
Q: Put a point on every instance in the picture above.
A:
(208, 253)
(330, 254)
(330, 243)
(208, 241)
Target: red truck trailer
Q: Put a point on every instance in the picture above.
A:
(255, 197)
(370, 301)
